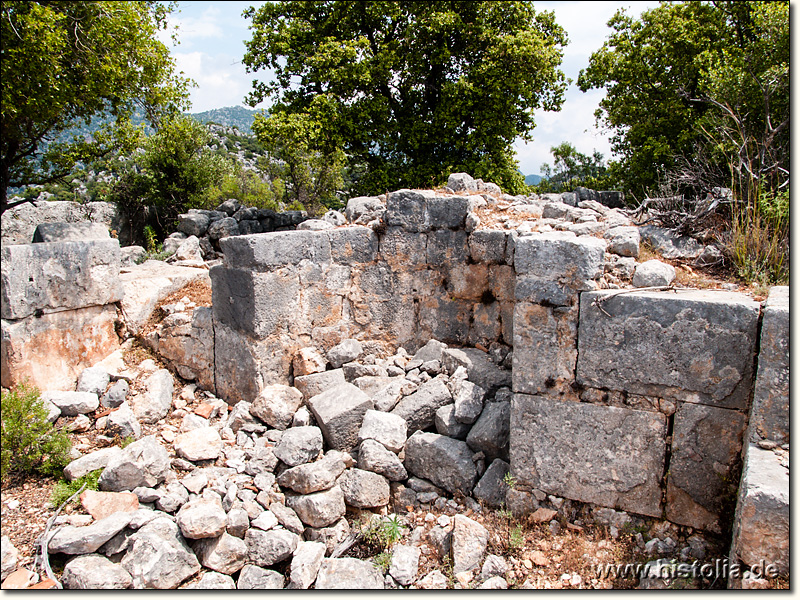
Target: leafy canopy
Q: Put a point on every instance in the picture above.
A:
(63, 63)
(419, 89)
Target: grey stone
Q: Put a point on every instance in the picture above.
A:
(72, 403)
(435, 580)
(344, 352)
(339, 412)
(406, 209)
(354, 371)
(224, 554)
(480, 368)
(256, 578)
(373, 456)
(623, 241)
(468, 399)
(201, 518)
(459, 182)
(85, 540)
(447, 212)
(319, 509)
(314, 225)
(93, 380)
(668, 244)
(387, 397)
(94, 572)
(276, 249)
(223, 228)
(194, 223)
(494, 583)
(401, 247)
(446, 423)
(123, 422)
(330, 536)
(761, 526)
(212, 581)
(299, 445)
(432, 350)
(314, 476)
(242, 418)
(447, 247)
(276, 405)
(348, 574)
(306, 562)
(58, 276)
(494, 566)
(445, 461)
(143, 463)
(694, 346)
(653, 273)
(364, 489)
(70, 232)
(266, 548)
(769, 417)
(287, 517)
(116, 394)
(158, 557)
(490, 433)
(154, 404)
(364, 209)
(90, 462)
(388, 429)
(604, 455)
(237, 522)
(488, 246)
(19, 223)
(468, 544)
(706, 445)
(419, 409)
(491, 489)
(353, 245)
(203, 443)
(405, 563)
(262, 461)
(316, 383)
(10, 557)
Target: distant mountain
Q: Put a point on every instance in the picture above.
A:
(231, 116)
(533, 179)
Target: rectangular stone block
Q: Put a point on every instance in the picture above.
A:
(609, 456)
(56, 276)
(704, 466)
(761, 526)
(447, 247)
(402, 249)
(339, 412)
(693, 346)
(406, 209)
(355, 244)
(446, 212)
(545, 349)
(444, 319)
(769, 417)
(52, 350)
(264, 251)
(488, 246)
(259, 304)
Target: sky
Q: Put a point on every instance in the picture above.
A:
(211, 38)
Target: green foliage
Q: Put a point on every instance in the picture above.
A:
(64, 489)
(64, 62)
(510, 480)
(572, 169)
(409, 91)
(30, 443)
(247, 186)
(382, 560)
(384, 532)
(151, 239)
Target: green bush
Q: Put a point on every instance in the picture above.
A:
(64, 489)
(30, 443)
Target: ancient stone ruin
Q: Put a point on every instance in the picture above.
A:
(420, 352)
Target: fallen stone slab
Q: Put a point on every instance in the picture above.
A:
(253, 577)
(158, 557)
(203, 443)
(305, 565)
(69, 232)
(225, 554)
(314, 476)
(491, 489)
(419, 409)
(72, 403)
(444, 461)
(143, 463)
(339, 413)
(90, 462)
(93, 380)
(201, 518)
(266, 548)
(405, 563)
(480, 368)
(156, 401)
(316, 383)
(320, 509)
(348, 574)
(468, 544)
(85, 540)
(276, 405)
(104, 504)
(364, 489)
(299, 445)
(389, 430)
(446, 423)
(373, 456)
(490, 433)
(95, 572)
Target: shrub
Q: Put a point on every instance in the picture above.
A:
(64, 489)
(30, 443)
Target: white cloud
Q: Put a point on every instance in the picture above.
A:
(220, 79)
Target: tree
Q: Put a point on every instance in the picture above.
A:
(420, 89)
(572, 169)
(65, 62)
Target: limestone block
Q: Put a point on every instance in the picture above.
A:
(194, 223)
(468, 282)
(480, 368)
(447, 247)
(769, 417)
(191, 349)
(419, 409)
(609, 456)
(623, 241)
(446, 212)
(316, 383)
(459, 182)
(488, 246)
(268, 250)
(339, 412)
(694, 346)
(444, 461)
(490, 434)
(502, 282)
(355, 244)
(364, 209)
(70, 232)
(52, 350)
(545, 349)
(402, 248)
(703, 468)
(57, 276)
(552, 267)
(255, 303)
(486, 325)
(446, 319)
(761, 526)
(406, 209)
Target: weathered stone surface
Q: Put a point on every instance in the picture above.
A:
(90, 462)
(72, 403)
(401, 248)
(266, 548)
(212, 581)
(468, 399)
(553, 267)
(320, 509)
(123, 422)
(468, 544)
(769, 417)
(364, 489)
(605, 455)
(201, 518)
(444, 461)
(104, 504)
(287, 517)
(306, 562)
(373, 456)
(203, 443)
(348, 574)
(316, 383)
(344, 352)
(58, 276)
(307, 361)
(488, 246)
(419, 409)
(223, 228)
(94, 572)
(256, 578)
(447, 247)
(339, 412)
(85, 540)
(20, 222)
(194, 223)
(491, 489)
(435, 580)
(446, 423)
(154, 404)
(406, 209)
(330, 536)
(224, 554)
(545, 349)
(144, 463)
(116, 394)
(10, 557)
(190, 349)
(694, 346)
(93, 380)
(314, 476)
(706, 445)
(761, 527)
(158, 557)
(459, 182)
(352, 245)
(262, 251)
(491, 431)
(364, 209)
(653, 273)
(480, 368)
(299, 445)
(405, 563)
(623, 241)
(388, 429)
(668, 244)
